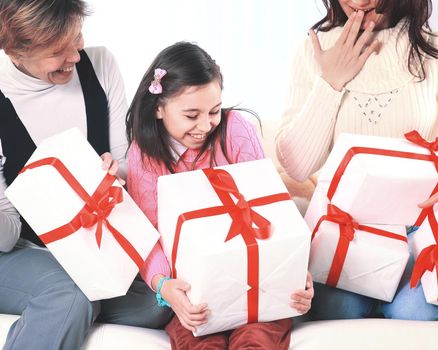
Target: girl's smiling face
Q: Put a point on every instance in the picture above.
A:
(192, 115)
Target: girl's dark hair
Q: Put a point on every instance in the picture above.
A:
(187, 65)
(416, 13)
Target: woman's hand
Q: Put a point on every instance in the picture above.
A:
(342, 62)
(190, 316)
(111, 166)
(301, 300)
(429, 202)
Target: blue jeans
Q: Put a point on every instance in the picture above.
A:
(408, 304)
(55, 314)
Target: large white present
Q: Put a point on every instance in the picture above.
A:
(379, 180)
(365, 259)
(215, 263)
(425, 247)
(99, 247)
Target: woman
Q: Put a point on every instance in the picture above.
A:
(371, 69)
(49, 83)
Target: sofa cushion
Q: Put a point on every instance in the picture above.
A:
(366, 334)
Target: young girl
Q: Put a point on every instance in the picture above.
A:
(372, 69)
(176, 123)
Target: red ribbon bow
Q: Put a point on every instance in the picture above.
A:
(97, 215)
(95, 211)
(412, 136)
(245, 222)
(347, 227)
(427, 260)
(416, 138)
(244, 217)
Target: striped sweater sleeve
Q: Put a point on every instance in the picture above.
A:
(142, 186)
(242, 140)
(307, 128)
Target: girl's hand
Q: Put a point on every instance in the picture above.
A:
(301, 300)
(111, 165)
(342, 62)
(429, 202)
(190, 316)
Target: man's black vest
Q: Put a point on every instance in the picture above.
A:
(18, 146)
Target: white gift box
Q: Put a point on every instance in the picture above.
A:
(377, 189)
(373, 265)
(217, 270)
(47, 202)
(421, 239)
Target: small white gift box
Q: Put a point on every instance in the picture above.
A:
(425, 242)
(217, 265)
(371, 264)
(59, 199)
(383, 181)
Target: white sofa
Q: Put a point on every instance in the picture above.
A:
(367, 334)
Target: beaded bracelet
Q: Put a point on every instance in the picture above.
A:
(160, 299)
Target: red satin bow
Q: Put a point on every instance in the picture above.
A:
(95, 211)
(90, 215)
(416, 138)
(244, 217)
(427, 260)
(347, 227)
(245, 222)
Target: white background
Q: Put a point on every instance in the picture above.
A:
(251, 40)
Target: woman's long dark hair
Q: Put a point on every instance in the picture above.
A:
(187, 65)
(416, 13)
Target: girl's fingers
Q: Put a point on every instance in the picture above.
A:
(195, 309)
(300, 308)
(185, 325)
(199, 317)
(195, 323)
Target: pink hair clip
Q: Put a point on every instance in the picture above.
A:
(155, 87)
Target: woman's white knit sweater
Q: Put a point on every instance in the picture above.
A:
(384, 99)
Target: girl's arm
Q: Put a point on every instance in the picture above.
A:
(243, 144)
(142, 186)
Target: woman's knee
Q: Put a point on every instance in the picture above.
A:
(410, 304)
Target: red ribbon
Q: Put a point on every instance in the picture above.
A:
(95, 211)
(347, 227)
(412, 136)
(416, 138)
(427, 260)
(243, 220)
